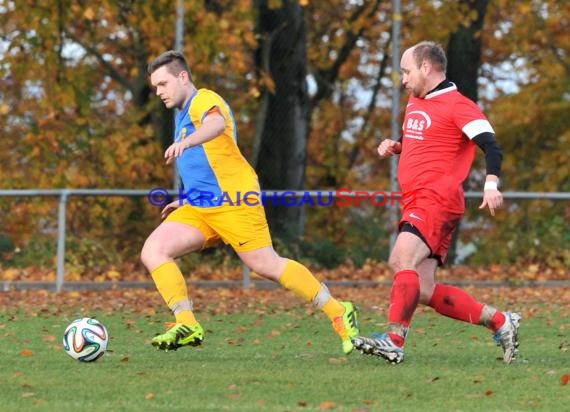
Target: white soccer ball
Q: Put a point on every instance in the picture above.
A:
(85, 339)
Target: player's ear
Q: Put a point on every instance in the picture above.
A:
(426, 67)
(184, 76)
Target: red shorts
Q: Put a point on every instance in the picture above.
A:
(434, 223)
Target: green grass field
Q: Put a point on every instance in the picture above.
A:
(268, 360)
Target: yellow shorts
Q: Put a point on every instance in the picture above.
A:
(243, 227)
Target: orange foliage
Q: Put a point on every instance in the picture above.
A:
(77, 111)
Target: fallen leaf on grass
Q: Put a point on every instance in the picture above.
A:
(26, 352)
(149, 396)
(274, 332)
(337, 361)
(327, 405)
(564, 379)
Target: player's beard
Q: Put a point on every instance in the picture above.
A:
(419, 89)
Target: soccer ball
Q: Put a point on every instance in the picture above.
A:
(85, 339)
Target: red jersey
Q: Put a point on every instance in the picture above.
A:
(437, 150)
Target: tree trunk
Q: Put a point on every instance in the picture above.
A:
(281, 137)
(464, 51)
(463, 62)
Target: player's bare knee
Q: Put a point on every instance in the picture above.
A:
(145, 256)
(396, 264)
(151, 254)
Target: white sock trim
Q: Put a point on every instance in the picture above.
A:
(322, 297)
(182, 306)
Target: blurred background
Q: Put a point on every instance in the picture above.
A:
(314, 89)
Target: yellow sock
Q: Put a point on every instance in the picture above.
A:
(298, 279)
(172, 287)
(333, 308)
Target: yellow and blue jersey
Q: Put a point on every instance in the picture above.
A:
(214, 173)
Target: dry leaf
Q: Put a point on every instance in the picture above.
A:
(26, 352)
(113, 275)
(89, 14)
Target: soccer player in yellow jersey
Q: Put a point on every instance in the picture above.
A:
(222, 202)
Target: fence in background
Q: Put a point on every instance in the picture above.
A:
(65, 194)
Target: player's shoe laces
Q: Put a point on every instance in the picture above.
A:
(179, 334)
(380, 345)
(507, 337)
(347, 326)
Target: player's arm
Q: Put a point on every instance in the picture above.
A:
(213, 125)
(492, 197)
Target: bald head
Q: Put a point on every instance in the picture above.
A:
(423, 67)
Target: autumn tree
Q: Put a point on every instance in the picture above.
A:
(76, 109)
(280, 146)
(527, 68)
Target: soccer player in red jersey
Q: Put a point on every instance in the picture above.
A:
(440, 131)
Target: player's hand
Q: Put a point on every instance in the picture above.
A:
(493, 199)
(171, 207)
(389, 147)
(175, 150)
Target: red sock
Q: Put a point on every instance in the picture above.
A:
(497, 321)
(403, 301)
(455, 303)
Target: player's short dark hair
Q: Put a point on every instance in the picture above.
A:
(432, 52)
(174, 62)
